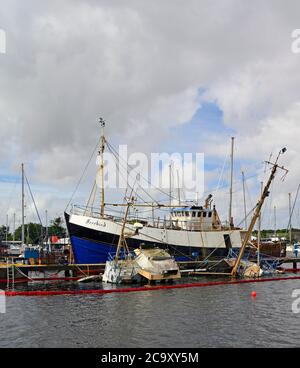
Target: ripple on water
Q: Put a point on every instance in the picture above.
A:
(196, 317)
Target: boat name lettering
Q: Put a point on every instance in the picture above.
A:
(95, 223)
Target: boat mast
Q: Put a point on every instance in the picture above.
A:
(259, 228)
(46, 232)
(23, 208)
(101, 152)
(121, 242)
(259, 205)
(14, 229)
(6, 232)
(290, 216)
(289, 226)
(275, 225)
(170, 183)
(244, 195)
(179, 201)
(231, 183)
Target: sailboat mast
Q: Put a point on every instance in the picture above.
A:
(231, 183)
(46, 233)
(101, 152)
(244, 195)
(14, 229)
(179, 201)
(23, 208)
(290, 216)
(170, 183)
(6, 232)
(275, 225)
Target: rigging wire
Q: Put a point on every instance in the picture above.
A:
(146, 180)
(221, 175)
(82, 175)
(33, 200)
(290, 217)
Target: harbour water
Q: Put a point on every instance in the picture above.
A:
(217, 316)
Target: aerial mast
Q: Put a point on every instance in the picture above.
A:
(101, 153)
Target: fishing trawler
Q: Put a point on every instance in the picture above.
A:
(192, 232)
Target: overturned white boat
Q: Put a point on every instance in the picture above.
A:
(246, 268)
(121, 271)
(156, 264)
(151, 263)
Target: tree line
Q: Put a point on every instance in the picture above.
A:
(280, 233)
(35, 232)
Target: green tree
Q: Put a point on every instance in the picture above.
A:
(3, 233)
(57, 228)
(33, 233)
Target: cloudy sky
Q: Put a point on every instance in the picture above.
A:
(166, 76)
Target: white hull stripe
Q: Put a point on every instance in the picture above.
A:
(205, 239)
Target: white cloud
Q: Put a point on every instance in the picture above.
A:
(140, 66)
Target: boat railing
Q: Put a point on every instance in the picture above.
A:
(123, 255)
(156, 222)
(85, 211)
(95, 213)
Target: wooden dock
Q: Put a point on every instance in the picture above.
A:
(25, 272)
(292, 260)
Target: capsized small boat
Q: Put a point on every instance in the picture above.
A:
(247, 268)
(121, 271)
(118, 269)
(156, 264)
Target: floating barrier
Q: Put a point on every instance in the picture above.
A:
(143, 288)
